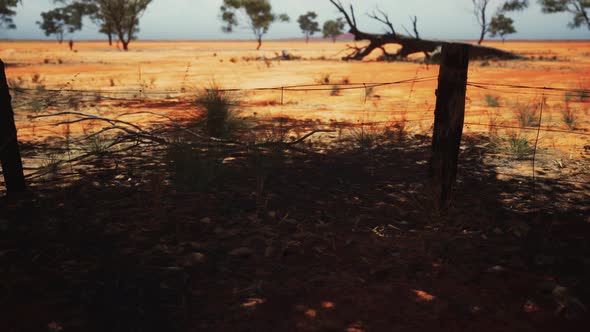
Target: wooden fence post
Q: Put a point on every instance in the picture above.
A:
(448, 123)
(12, 166)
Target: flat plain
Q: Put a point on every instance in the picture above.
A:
(316, 215)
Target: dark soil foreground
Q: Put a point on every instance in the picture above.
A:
(344, 242)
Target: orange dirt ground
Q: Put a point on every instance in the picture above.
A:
(339, 242)
(163, 77)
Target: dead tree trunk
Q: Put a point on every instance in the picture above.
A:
(448, 123)
(10, 158)
(409, 44)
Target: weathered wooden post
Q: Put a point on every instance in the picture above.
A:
(10, 158)
(448, 123)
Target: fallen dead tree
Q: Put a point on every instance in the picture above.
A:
(410, 44)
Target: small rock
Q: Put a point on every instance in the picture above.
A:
(196, 258)
(241, 252)
(497, 269)
(474, 310)
(205, 221)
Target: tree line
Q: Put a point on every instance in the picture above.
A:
(119, 19)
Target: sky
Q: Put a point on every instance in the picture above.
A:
(199, 19)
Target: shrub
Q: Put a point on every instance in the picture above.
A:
(527, 116)
(365, 138)
(38, 105)
(584, 95)
(492, 101)
(335, 91)
(494, 120)
(97, 145)
(569, 118)
(369, 91)
(398, 130)
(220, 118)
(36, 79)
(520, 147)
(323, 78)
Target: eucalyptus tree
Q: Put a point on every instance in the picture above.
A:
(119, 18)
(577, 8)
(7, 12)
(60, 21)
(333, 29)
(308, 24)
(486, 21)
(255, 14)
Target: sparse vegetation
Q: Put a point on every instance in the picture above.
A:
(365, 137)
(369, 92)
(398, 130)
(98, 145)
(526, 115)
(569, 118)
(492, 101)
(324, 78)
(185, 194)
(221, 117)
(494, 120)
(583, 95)
(335, 91)
(520, 147)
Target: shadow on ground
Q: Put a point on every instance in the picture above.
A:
(345, 242)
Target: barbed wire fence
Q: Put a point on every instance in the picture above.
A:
(38, 100)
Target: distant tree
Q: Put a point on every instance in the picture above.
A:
(114, 17)
(501, 25)
(578, 8)
(333, 29)
(60, 21)
(7, 12)
(308, 25)
(106, 27)
(257, 13)
(480, 11)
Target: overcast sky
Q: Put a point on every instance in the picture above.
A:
(199, 19)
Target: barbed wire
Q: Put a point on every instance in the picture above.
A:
(98, 95)
(309, 87)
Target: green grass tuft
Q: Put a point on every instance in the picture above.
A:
(221, 118)
(492, 101)
(520, 147)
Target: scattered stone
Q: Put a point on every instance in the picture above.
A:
(474, 310)
(242, 252)
(205, 221)
(195, 258)
(497, 269)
